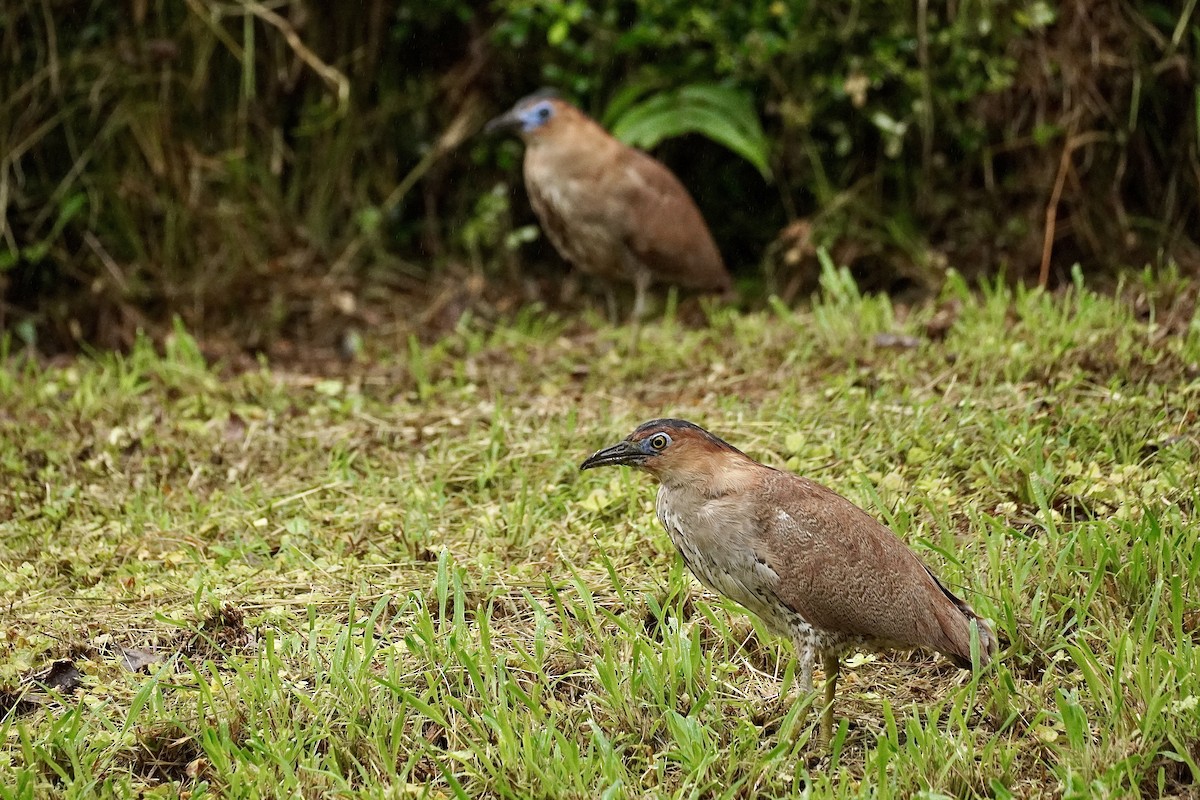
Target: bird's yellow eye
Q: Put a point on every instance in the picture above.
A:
(659, 441)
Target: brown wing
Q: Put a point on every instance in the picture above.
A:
(614, 211)
(664, 229)
(853, 575)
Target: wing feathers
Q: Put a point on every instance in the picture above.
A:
(850, 573)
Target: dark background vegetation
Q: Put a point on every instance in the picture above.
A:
(295, 169)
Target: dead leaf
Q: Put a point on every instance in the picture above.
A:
(139, 658)
(235, 428)
(16, 702)
(901, 341)
(943, 320)
(62, 677)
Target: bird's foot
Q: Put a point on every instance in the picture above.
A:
(786, 714)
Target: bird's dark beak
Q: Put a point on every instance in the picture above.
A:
(624, 453)
(508, 121)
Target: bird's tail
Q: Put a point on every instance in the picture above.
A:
(988, 646)
(957, 630)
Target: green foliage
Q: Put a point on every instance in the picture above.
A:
(725, 115)
(36, 252)
(922, 133)
(228, 161)
(834, 71)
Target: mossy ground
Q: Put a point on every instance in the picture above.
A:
(393, 581)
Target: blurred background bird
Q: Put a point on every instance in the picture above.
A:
(613, 211)
(812, 565)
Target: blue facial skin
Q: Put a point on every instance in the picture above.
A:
(535, 116)
(653, 445)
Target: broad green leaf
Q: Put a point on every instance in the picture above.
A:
(723, 114)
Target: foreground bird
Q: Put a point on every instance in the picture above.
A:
(815, 567)
(612, 211)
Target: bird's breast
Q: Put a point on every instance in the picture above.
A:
(720, 548)
(577, 219)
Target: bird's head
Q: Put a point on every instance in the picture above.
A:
(670, 449)
(532, 116)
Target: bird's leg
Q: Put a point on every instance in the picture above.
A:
(610, 298)
(805, 654)
(570, 286)
(832, 666)
(641, 282)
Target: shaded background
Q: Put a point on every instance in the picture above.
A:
(290, 171)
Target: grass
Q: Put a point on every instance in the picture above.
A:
(394, 582)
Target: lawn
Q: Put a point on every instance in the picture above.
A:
(391, 580)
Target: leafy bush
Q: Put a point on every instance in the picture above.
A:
(882, 120)
(727, 116)
(214, 158)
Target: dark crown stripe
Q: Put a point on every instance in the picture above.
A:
(671, 425)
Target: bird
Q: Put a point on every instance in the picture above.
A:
(816, 568)
(611, 210)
